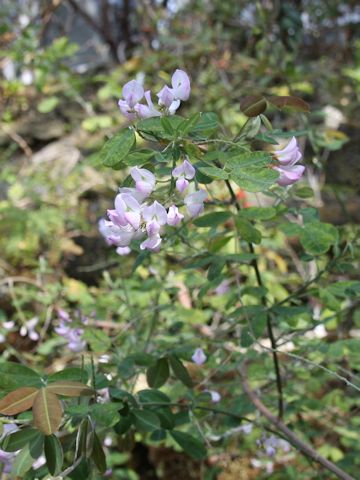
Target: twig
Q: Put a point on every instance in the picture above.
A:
(268, 318)
(293, 439)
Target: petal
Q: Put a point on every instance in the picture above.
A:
(160, 213)
(151, 243)
(134, 219)
(166, 96)
(199, 356)
(123, 251)
(125, 110)
(181, 184)
(174, 106)
(180, 82)
(189, 170)
(132, 92)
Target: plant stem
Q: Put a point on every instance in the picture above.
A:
(290, 435)
(255, 265)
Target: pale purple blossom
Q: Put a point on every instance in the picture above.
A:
(147, 111)
(215, 396)
(195, 202)
(288, 157)
(290, 174)
(183, 173)
(174, 217)
(199, 356)
(123, 251)
(152, 243)
(132, 93)
(246, 429)
(168, 98)
(223, 287)
(155, 216)
(127, 211)
(28, 329)
(290, 154)
(72, 334)
(180, 83)
(144, 180)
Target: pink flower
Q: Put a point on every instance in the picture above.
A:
(290, 174)
(180, 82)
(183, 173)
(132, 93)
(147, 111)
(144, 180)
(155, 216)
(199, 356)
(215, 396)
(127, 210)
(195, 202)
(167, 99)
(174, 217)
(290, 154)
(151, 243)
(123, 251)
(288, 158)
(223, 287)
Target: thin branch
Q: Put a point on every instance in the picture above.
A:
(293, 439)
(268, 318)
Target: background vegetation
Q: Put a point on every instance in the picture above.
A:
(62, 67)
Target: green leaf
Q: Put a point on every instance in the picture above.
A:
(24, 460)
(123, 425)
(105, 414)
(138, 158)
(85, 439)
(47, 105)
(116, 149)
(17, 440)
(215, 268)
(166, 417)
(74, 374)
(146, 420)
(251, 170)
(153, 396)
(247, 231)
(214, 172)
(258, 213)
(154, 127)
(208, 122)
(157, 374)
(98, 455)
(192, 446)
(98, 340)
(188, 124)
(254, 179)
(317, 237)
(54, 454)
(212, 219)
(180, 371)
(14, 375)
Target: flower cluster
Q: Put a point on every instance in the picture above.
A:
(169, 98)
(73, 335)
(288, 158)
(272, 444)
(134, 217)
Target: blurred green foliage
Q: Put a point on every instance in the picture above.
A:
(54, 189)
